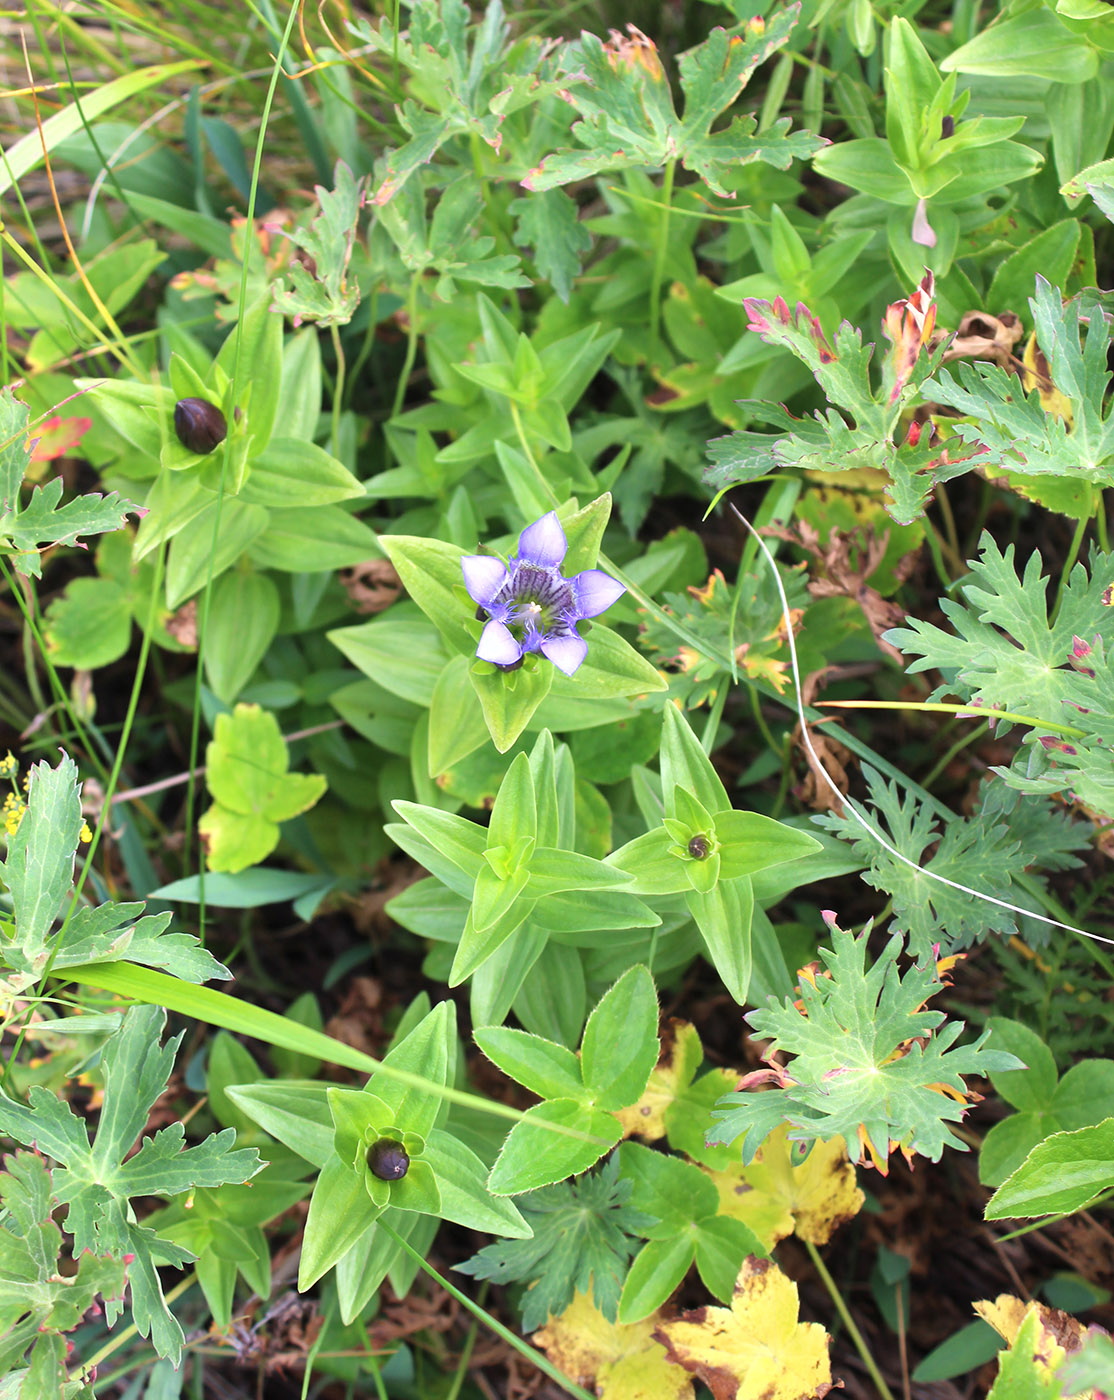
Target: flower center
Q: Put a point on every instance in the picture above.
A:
(538, 600)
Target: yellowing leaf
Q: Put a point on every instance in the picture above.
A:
(619, 1362)
(1021, 1372)
(680, 1059)
(776, 1198)
(1058, 1333)
(767, 1215)
(1036, 375)
(765, 668)
(756, 1349)
(247, 773)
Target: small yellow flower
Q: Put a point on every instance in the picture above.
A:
(12, 813)
(9, 765)
(85, 835)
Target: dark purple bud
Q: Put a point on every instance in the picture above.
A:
(199, 424)
(947, 128)
(388, 1159)
(699, 848)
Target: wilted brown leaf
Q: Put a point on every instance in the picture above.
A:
(182, 625)
(845, 562)
(371, 586)
(980, 336)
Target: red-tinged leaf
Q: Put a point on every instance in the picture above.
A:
(56, 437)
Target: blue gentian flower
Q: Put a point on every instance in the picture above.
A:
(529, 604)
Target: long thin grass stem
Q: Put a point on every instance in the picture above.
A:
(849, 1322)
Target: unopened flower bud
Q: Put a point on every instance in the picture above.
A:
(199, 424)
(699, 848)
(388, 1159)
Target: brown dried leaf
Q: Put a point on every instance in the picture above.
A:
(814, 787)
(281, 1339)
(359, 1018)
(840, 578)
(981, 336)
(182, 625)
(371, 586)
(404, 1317)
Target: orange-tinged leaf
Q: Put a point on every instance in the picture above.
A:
(909, 324)
(776, 1198)
(619, 1362)
(764, 668)
(756, 1349)
(636, 52)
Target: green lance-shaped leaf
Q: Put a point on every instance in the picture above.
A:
(618, 1052)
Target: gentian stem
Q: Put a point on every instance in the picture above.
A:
(1100, 524)
(1069, 563)
(411, 346)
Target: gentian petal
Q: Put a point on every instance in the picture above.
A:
(594, 592)
(498, 646)
(484, 575)
(543, 543)
(566, 650)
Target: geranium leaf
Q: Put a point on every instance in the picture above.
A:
(96, 1182)
(869, 1063)
(757, 1346)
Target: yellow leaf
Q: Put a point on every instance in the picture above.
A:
(776, 1198)
(756, 1349)
(1058, 1333)
(619, 1362)
(680, 1059)
(768, 1216)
